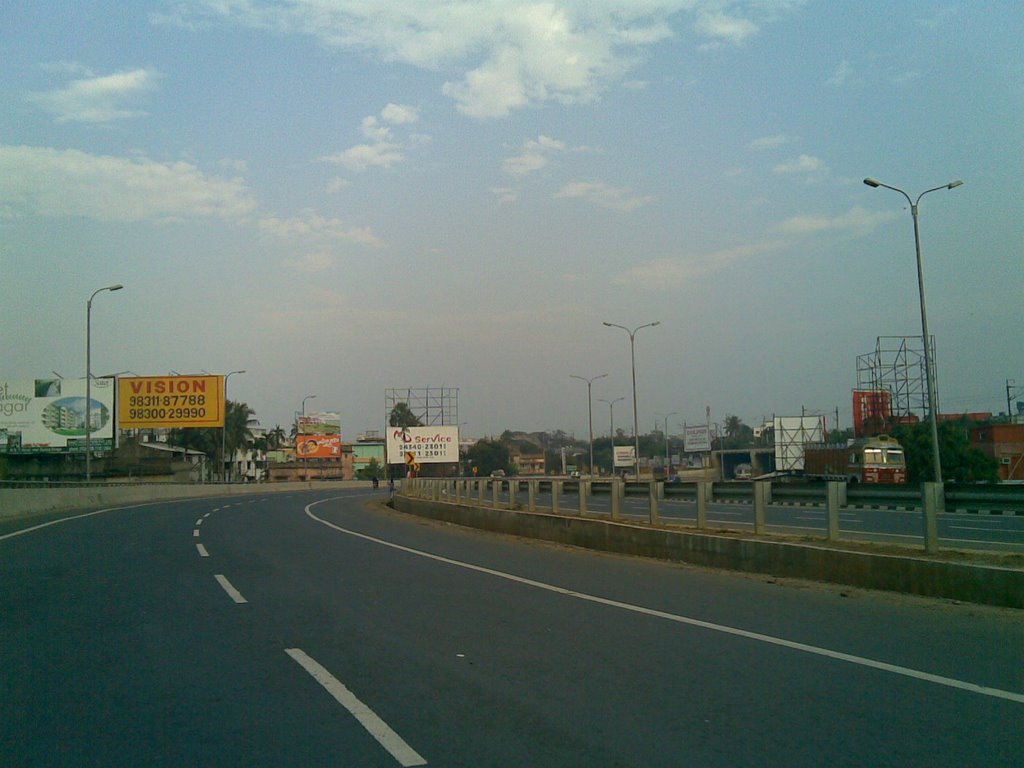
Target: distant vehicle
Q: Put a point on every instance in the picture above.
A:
(498, 473)
(574, 474)
(866, 460)
(744, 472)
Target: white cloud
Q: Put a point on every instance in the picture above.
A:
(96, 99)
(508, 55)
(857, 220)
(54, 182)
(604, 195)
(769, 142)
(802, 164)
(311, 262)
(843, 75)
(533, 157)
(674, 273)
(337, 184)
(312, 227)
(385, 150)
(720, 27)
(505, 194)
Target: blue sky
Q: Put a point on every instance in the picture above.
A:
(344, 197)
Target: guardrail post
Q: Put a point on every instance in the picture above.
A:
(762, 498)
(703, 495)
(556, 491)
(531, 494)
(653, 499)
(584, 491)
(513, 487)
(617, 491)
(481, 489)
(835, 497)
(933, 497)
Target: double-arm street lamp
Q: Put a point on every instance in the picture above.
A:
(632, 354)
(929, 364)
(590, 411)
(88, 376)
(224, 429)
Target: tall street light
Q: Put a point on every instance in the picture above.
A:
(305, 460)
(929, 364)
(88, 376)
(632, 353)
(666, 415)
(224, 429)
(611, 425)
(590, 411)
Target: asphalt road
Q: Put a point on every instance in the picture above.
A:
(314, 630)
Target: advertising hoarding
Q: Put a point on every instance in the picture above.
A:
(697, 439)
(320, 423)
(624, 455)
(791, 434)
(170, 402)
(428, 445)
(318, 446)
(44, 415)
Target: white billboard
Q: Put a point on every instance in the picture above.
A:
(424, 445)
(624, 455)
(697, 439)
(791, 434)
(44, 415)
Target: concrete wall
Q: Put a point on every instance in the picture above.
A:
(913, 575)
(34, 501)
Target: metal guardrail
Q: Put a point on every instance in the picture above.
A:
(831, 497)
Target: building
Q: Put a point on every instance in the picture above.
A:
(1004, 443)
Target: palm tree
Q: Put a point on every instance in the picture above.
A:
(237, 434)
(276, 437)
(402, 416)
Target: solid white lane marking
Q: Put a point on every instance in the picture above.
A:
(804, 647)
(232, 592)
(202, 550)
(381, 731)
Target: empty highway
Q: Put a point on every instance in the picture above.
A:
(319, 628)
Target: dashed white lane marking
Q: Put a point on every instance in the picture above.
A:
(381, 731)
(232, 592)
(735, 631)
(195, 533)
(199, 522)
(202, 550)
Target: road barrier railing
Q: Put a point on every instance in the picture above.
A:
(930, 499)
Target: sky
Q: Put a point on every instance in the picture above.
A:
(346, 197)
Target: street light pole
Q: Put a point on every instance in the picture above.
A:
(305, 461)
(224, 429)
(88, 377)
(632, 355)
(590, 411)
(611, 425)
(666, 415)
(929, 364)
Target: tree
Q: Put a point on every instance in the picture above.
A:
(737, 434)
(372, 470)
(237, 434)
(489, 455)
(276, 437)
(402, 416)
(961, 463)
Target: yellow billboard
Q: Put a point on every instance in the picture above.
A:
(170, 402)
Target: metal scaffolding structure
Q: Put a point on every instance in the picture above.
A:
(433, 406)
(897, 366)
